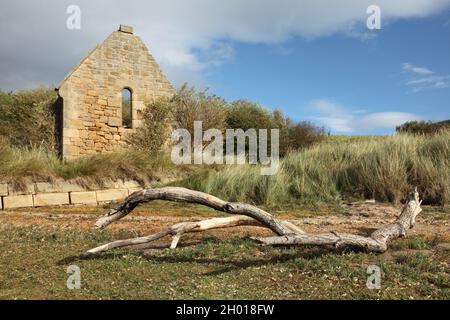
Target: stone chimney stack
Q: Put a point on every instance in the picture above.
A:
(126, 29)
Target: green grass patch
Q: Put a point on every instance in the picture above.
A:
(36, 260)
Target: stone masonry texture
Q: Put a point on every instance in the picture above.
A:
(92, 94)
(50, 199)
(58, 193)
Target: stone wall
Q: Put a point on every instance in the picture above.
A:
(92, 94)
(43, 194)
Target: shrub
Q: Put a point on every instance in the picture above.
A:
(27, 117)
(243, 114)
(423, 127)
(189, 106)
(293, 136)
(155, 129)
(284, 124)
(304, 134)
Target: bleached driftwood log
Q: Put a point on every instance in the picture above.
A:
(286, 232)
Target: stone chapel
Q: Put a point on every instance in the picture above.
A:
(99, 100)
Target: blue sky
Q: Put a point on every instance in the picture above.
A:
(314, 59)
(347, 78)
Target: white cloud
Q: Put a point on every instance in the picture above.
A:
(434, 81)
(420, 78)
(384, 120)
(325, 106)
(419, 70)
(342, 119)
(36, 46)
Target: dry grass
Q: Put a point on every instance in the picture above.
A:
(32, 164)
(382, 168)
(340, 168)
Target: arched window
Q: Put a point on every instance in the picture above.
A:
(126, 108)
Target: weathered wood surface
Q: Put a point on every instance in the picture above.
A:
(286, 233)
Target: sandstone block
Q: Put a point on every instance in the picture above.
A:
(83, 134)
(102, 102)
(86, 197)
(111, 195)
(51, 199)
(21, 201)
(71, 133)
(3, 189)
(72, 150)
(114, 121)
(126, 29)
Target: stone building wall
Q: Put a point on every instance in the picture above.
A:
(92, 94)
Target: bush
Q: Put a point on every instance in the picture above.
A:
(155, 130)
(423, 127)
(27, 117)
(304, 134)
(293, 136)
(243, 114)
(189, 106)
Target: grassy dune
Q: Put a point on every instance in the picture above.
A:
(339, 168)
(380, 168)
(22, 165)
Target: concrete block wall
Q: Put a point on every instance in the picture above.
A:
(42, 194)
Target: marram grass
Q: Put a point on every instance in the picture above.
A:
(384, 169)
(339, 168)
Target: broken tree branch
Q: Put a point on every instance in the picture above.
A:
(190, 196)
(286, 232)
(376, 242)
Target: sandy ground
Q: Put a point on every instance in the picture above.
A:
(360, 218)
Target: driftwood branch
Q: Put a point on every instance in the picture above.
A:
(286, 233)
(190, 196)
